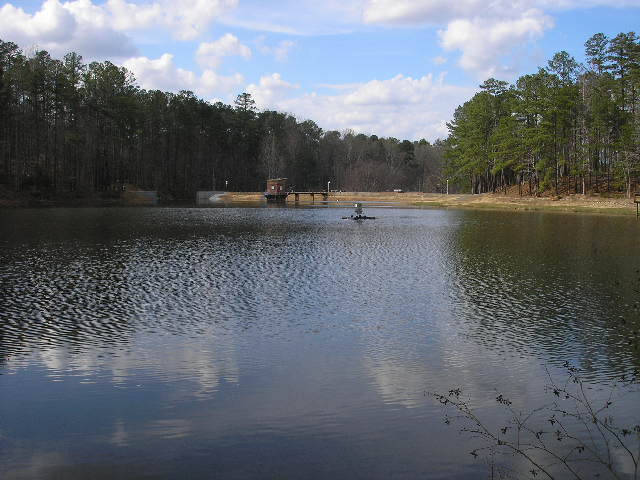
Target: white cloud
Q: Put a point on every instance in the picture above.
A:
(271, 90)
(570, 4)
(186, 19)
(47, 25)
(509, 25)
(210, 54)
(162, 74)
(402, 107)
(311, 17)
(438, 12)
(485, 32)
(439, 60)
(102, 29)
(60, 28)
(412, 12)
(280, 51)
(484, 42)
(399, 90)
(296, 17)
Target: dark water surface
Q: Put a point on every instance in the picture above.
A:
(287, 343)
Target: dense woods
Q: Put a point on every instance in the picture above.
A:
(569, 128)
(74, 130)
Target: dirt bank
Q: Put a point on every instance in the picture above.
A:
(612, 205)
(569, 203)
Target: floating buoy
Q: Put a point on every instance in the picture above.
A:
(359, 214)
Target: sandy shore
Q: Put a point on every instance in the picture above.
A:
(610, 205)
(572, 203)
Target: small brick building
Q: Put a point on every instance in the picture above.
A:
(277, 189)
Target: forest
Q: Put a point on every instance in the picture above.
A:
(71, 130)
(569, 128)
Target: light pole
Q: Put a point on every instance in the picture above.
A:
(447, 186)
(226, 183)
(328, 183)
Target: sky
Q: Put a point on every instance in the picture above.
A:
(386, 67)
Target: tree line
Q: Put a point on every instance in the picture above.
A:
(67, 128)
(569, 128)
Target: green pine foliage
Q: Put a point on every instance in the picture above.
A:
(569, 128)
(71, 130)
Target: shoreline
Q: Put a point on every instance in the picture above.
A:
(609, 205)
(566, 204)
(486, 201)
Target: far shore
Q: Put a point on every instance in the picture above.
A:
(595, 203)
(611, 205)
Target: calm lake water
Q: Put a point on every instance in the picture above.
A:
(288, 343)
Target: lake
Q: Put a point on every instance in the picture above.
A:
(288, 343)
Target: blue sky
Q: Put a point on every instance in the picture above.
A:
(386, 67)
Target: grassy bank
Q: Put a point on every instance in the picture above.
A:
(610, 205)
(571, 203)
(608, 210)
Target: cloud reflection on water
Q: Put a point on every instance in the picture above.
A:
(286, 331)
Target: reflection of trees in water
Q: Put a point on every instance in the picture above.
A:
(563, 285)
(59, 295)
(96, 291)
(69, 276)
(412, 334)
(87, 277)
(93, 308)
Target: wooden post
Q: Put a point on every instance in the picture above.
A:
(636, 199)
